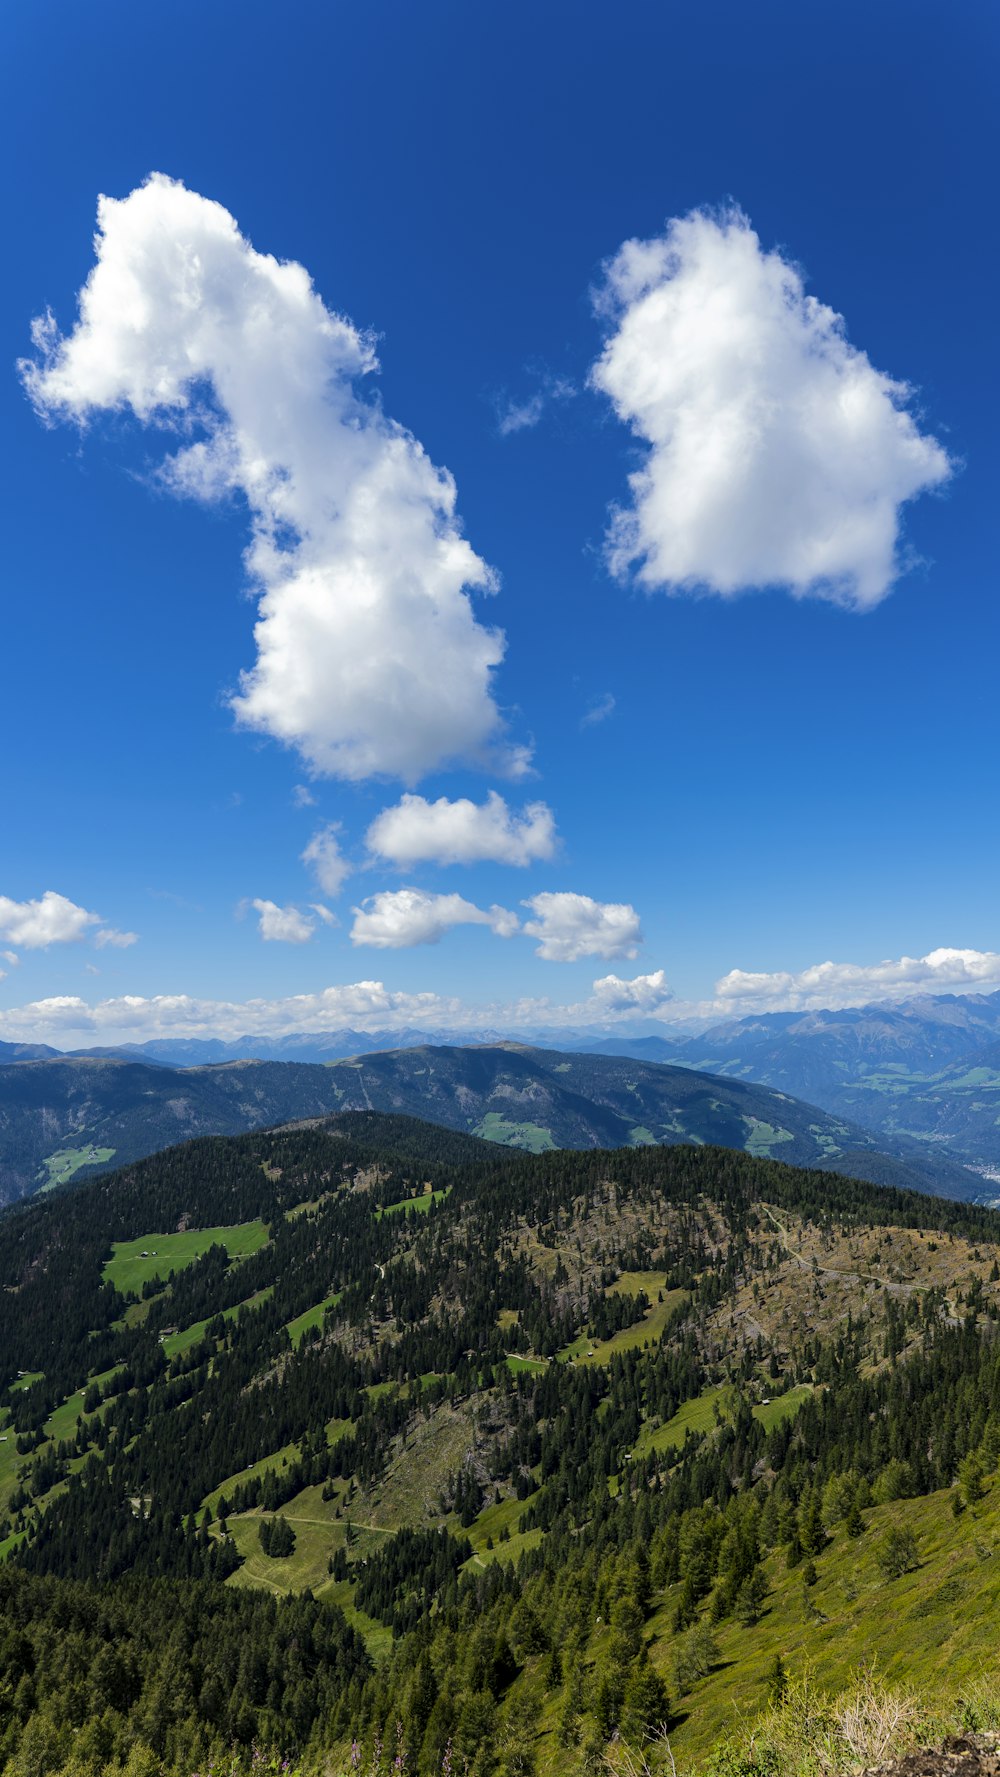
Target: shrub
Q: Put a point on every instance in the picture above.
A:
(696, 1654)
(897, 1553)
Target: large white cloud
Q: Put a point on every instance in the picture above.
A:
(778, 454)
(416, 831)
(53, 919)
(850, 984)
(398, 918)
(572, 926)
(369, 656)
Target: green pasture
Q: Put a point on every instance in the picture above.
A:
(313, 1317)
(411, 1205)
(188, 1336)
(531, 1136)
(135, 1262)
(61, 1166)
(711, 1409)
(584, 1350)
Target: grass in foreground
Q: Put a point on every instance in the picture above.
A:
(930, 1633)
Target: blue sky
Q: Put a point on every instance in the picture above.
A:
(768, 782)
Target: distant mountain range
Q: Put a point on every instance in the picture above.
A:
(307, 1046)
(928, 1070)
(924, 1071)
(64, 1117)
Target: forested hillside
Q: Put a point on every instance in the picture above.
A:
(370, 1429)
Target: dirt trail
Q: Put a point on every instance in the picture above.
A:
(885, 1283)
(961, 1755)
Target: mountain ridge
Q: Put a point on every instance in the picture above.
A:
(67, 1117)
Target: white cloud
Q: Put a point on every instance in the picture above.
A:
(851, 984)
(644, 993)
(369, 656)
(401, 917)
(324, 913)
(778, 454)
(325, 859)
(284, 925)
(120, 940)
(416, 831)
(522, 416)
(11, 957)
(362, 1005)
(599, 711)
(51, 920)
(302, 797)
(131, 1017)
(371, 1006)
(572, 926)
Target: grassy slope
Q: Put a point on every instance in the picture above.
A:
(932, 1631)
(134, 1262)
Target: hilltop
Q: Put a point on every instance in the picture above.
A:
(524, 1448)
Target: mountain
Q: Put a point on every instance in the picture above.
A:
(921, 1070)
(894, 1069)
(545, 1098)
(820, 1054)
(307, 1046)
(367, 1435)
(67, 1118)
(957, 1109)
(27, 1052)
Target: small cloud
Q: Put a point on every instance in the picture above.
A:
(283, 925)
(416, 831)
(399, 918)
(599, 711)
(176, 900)
(119, 940)
(326, 860)
(324, 913)
(11, 957)
(644, 993)
(522, 416)
(571, 926)
(50, 920)
(302, 797)
(91, 969)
